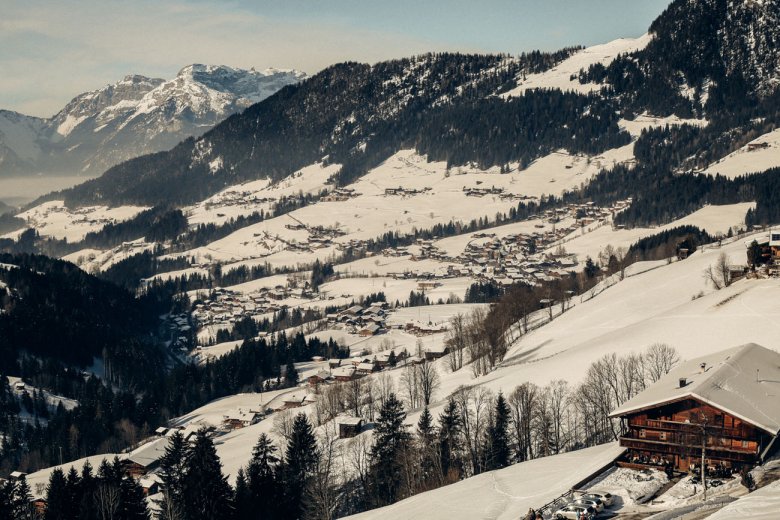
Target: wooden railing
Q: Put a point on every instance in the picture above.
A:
(676, 448)
(676, 426)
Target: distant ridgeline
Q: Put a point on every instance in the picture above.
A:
(700, 63)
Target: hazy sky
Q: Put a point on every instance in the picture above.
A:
(52, 50)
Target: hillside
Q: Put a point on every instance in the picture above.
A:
(134, 116)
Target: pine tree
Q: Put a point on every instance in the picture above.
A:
(132, 500)
(299, 461)
(172, 466)
(205, 491)
(497, 449)
(243, 501)
(263, 478)
(449, 441)
(391, 446)
(88, 487)
(21, 501)
(57, 496)
(426, 443)
(290, 374)
(6, 500)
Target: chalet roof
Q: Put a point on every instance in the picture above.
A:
(742, 381)
(351, 421)
(149, 453)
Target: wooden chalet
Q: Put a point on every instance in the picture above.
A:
(725, 404)
(141, 461)
(349, 426)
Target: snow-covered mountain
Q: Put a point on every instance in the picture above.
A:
(134, 116)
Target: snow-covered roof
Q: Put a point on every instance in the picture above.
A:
(742, 381)
(149, 453)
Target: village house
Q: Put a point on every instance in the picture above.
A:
(368, 330)
(436, 351)
(366, 368)
(142, 460)
(319, 378)
(296, 400)
(239, 418)
(344, 374)
(725, 403)
(349, 426)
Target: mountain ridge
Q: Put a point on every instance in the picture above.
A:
(133, 116)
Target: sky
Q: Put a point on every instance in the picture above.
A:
(50, 51)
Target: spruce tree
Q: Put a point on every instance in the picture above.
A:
(172, 466)
(206, 493)
(133, 501)
(263, 478)
(88, 487)
(449, 441)
(6, 500)
(426, 447)
(299, 462)
(57, 499)
(497, 452)
(290, 374)
(243, 500)
(21, 500)
(391, 445)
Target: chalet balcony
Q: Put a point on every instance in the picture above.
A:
(676, 443)
(676, 426)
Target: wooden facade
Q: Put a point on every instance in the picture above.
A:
(671, 434)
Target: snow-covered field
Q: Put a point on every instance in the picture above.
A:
(560, 76)
(504, 494)
(54, 219)
(758, 155)
(713, 219)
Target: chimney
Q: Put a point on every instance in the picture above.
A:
(683, 382)
(703, 367)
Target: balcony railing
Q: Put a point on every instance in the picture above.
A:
(676, 426)
(691, 442)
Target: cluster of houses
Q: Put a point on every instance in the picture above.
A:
(403, 192)
(363, 321)
(340, 195)
(226, 306)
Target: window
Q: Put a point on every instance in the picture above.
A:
(663, 436)
(642, 434)
(745, 444)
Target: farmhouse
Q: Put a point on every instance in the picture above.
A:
(236, 419)
(724, 402)
(349, 426)
(144, 459)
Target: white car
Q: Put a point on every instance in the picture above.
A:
(574, 512)
(606, 498)
(595, 503)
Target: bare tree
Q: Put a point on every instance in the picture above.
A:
(659, 359)
(410, 381)
(283, 424)
(474, 405)
(354, 394)
(107, 501)
(456, 341)
(719, 274)
(523, 404)
(429, 381)
(323, 495)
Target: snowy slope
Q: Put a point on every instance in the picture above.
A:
(504, 494)
(763, 504)
(758, 155)
(560, 76)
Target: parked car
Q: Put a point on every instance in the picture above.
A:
(595, 503)
(606, 498)
(574, 512)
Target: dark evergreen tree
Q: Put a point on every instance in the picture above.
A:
(299, 461)
(133, 501)
(243, 501)
(391, 447)
(449, 441)
(497, 450)
(57, 499)
(428, 471)
(205, 491)
(21, 501)
(172, 468)
(263, 478)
